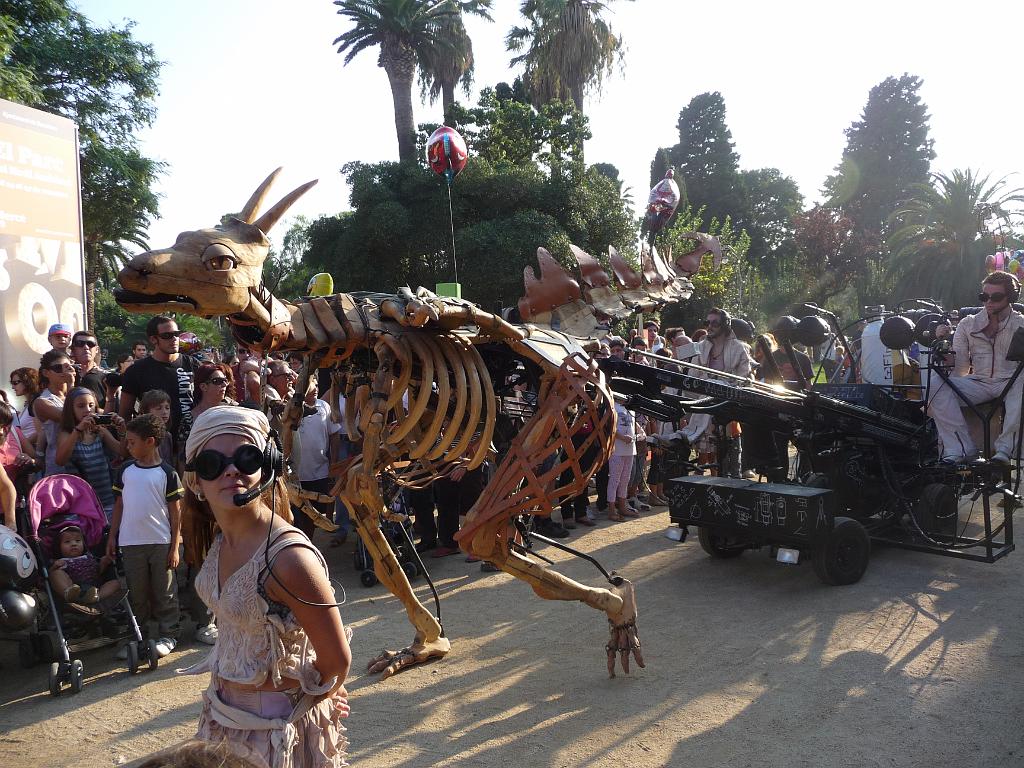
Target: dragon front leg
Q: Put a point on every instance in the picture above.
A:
(362, 498)
(429, 641)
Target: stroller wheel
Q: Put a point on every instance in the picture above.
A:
(27, 653)
(368, 578)
(154, 656)
(409, 569)
(77, 675)
(133, 657)
(55, 685)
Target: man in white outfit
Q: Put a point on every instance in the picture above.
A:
(981, 371)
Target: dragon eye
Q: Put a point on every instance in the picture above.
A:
(219, 258)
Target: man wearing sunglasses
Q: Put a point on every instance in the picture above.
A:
(85, 353)
(167, 370)
(980, 372)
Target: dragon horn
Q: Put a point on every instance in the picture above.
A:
(252, 207)
(270, 218)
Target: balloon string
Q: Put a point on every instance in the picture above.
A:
(451, 221)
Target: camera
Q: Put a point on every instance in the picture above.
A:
(104, 419)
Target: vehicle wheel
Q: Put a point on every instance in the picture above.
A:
(133, 657)
(409, 569)
(842, 557)
(55, 687)
(27, 653)
(720, 545)
(154, 657)
(368, 578)
(936, 510)
(77, 675)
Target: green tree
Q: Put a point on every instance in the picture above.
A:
(398, 231)
(944, 230)
(887, 153)
(407, 32)
(106, 81)
(506, 130)
(705, 158)
(567, 48)
(443, 67)
(772, 201)
(283, 272)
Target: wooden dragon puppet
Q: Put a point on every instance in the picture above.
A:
(423, 376)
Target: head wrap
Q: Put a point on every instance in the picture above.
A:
(224, 420)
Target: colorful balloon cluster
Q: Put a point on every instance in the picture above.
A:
(1007, 261)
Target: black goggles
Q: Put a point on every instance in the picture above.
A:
(210, 464)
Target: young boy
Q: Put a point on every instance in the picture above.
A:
(147, 527)
(158, 403)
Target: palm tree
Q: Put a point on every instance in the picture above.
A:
(936, 232)
(444, 67)
(406, 31)
(567, 48)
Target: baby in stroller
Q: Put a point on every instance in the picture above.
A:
(77, 574)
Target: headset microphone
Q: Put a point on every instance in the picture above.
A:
(241, 499)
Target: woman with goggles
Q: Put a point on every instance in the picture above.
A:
(278, 667)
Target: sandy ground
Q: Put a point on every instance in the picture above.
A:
(749, 663)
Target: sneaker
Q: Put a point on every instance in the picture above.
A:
(72, 593)
(635, 504)
(90, 596)
(551, 530)
(164, 646)
(586, 521)
(569, 523)
(1000, 458)
(488, 567)
(426, 546)
(207, 635)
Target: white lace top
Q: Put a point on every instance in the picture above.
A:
(256, 639)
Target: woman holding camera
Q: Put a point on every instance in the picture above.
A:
(86, 443)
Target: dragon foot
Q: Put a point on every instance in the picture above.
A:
(622, 635)
(390, 662)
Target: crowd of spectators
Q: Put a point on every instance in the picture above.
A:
(123, 429)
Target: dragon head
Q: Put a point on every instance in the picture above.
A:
(207, 272)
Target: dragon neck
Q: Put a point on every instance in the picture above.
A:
(266, 322)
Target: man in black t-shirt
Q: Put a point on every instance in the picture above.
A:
(85, 352)
(167, 370)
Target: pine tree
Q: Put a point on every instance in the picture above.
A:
(887, 153)
(705, 158)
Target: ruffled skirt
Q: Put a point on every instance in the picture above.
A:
(274, 729)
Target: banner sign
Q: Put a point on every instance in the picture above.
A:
(42, 268)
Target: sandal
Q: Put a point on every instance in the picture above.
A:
(615, 517)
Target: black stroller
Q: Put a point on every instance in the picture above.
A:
(55, 504)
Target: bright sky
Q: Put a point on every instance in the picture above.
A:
(249, 85)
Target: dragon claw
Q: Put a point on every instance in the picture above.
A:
(623, 638)
(388, 663)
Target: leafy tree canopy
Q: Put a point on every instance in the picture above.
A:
(887, 152)
(398, 231)
(53, 58)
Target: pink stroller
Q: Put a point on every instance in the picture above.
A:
(56, 503)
